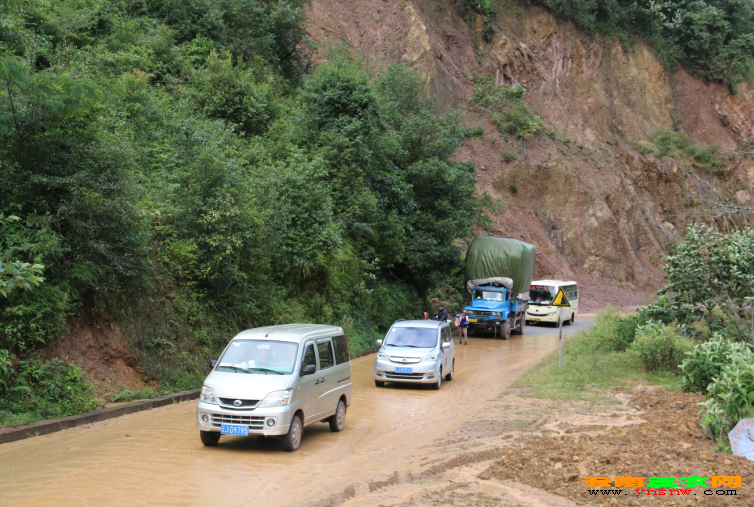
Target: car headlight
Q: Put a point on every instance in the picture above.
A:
(208, 395)
(430, 357)
(276, 399)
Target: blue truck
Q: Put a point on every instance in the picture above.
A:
(498, 273)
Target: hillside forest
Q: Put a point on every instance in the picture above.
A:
(198, 167)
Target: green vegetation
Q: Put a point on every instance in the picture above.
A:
(701, 327)
(485, 8)
(32, 390)
(507, 108)
(710, 38)
(593, 362)
(183, 164)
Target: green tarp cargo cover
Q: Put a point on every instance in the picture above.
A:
(489, 257)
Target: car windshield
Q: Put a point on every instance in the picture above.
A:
(259, 356)
(541, 294)
(489, 295)
(421, 337)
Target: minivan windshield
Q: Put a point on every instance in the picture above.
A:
(420, 337)
(259, 356)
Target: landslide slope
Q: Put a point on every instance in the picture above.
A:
(596, 208)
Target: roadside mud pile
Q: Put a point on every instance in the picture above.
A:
(667, 444)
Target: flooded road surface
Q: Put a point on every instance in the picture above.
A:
(155, 458)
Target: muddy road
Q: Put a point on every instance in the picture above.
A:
(155, 458)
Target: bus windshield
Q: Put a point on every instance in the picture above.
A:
(541, 294)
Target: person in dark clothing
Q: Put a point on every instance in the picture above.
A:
(442, 315)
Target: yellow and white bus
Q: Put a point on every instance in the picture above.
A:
(542, 293)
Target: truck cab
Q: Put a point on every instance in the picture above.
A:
(494, 309)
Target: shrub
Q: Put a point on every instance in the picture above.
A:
(507, 156)
(507, 108)
(729, 398)
(706, 361)
(601, 337)
(514, 187)
(659, 346)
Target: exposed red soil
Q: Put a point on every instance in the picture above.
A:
(96, 344)
(669, 444)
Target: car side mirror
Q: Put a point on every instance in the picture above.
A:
(379, 342)
(212, 363)
(309, 369)
(445, 345)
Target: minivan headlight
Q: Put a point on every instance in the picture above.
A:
(208, 395)
(276, 399)
(429, 357)
(381, 354)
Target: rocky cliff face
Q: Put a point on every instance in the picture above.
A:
(596, 209)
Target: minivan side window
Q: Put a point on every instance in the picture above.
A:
(341, 349)
(326, 356)
(309, 357)
(446, 334)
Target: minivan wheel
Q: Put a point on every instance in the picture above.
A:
(292, 439)
(209, 438)
(437, 385)
(338, 421)
(379, 383)
(449, 376)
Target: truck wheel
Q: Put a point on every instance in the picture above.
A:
(505, 330)
(522, 326)
(209, 438)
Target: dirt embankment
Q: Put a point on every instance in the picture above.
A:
(597, 209)
(529, 452)
(95, 342)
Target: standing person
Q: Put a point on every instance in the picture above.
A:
(442, 315)
(463, 328)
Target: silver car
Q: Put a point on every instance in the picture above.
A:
(274, 381)
(416, 352)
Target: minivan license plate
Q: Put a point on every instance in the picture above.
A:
(234, 429)
(399, 369)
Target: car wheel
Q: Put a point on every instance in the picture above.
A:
(449, 376)
(209, 438)
(505, 330)
(292, 439)
(338, 421)
(379, 383)
(437, 385)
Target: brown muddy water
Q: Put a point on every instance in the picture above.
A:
(155, 458)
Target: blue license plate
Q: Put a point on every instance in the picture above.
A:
(234, 429)
(399, 369)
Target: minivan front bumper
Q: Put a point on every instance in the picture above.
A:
(422, 373)
(209, 417)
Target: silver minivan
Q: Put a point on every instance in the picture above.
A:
(276, 380)
(416, 352)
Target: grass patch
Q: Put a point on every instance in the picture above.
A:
(591, 366)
